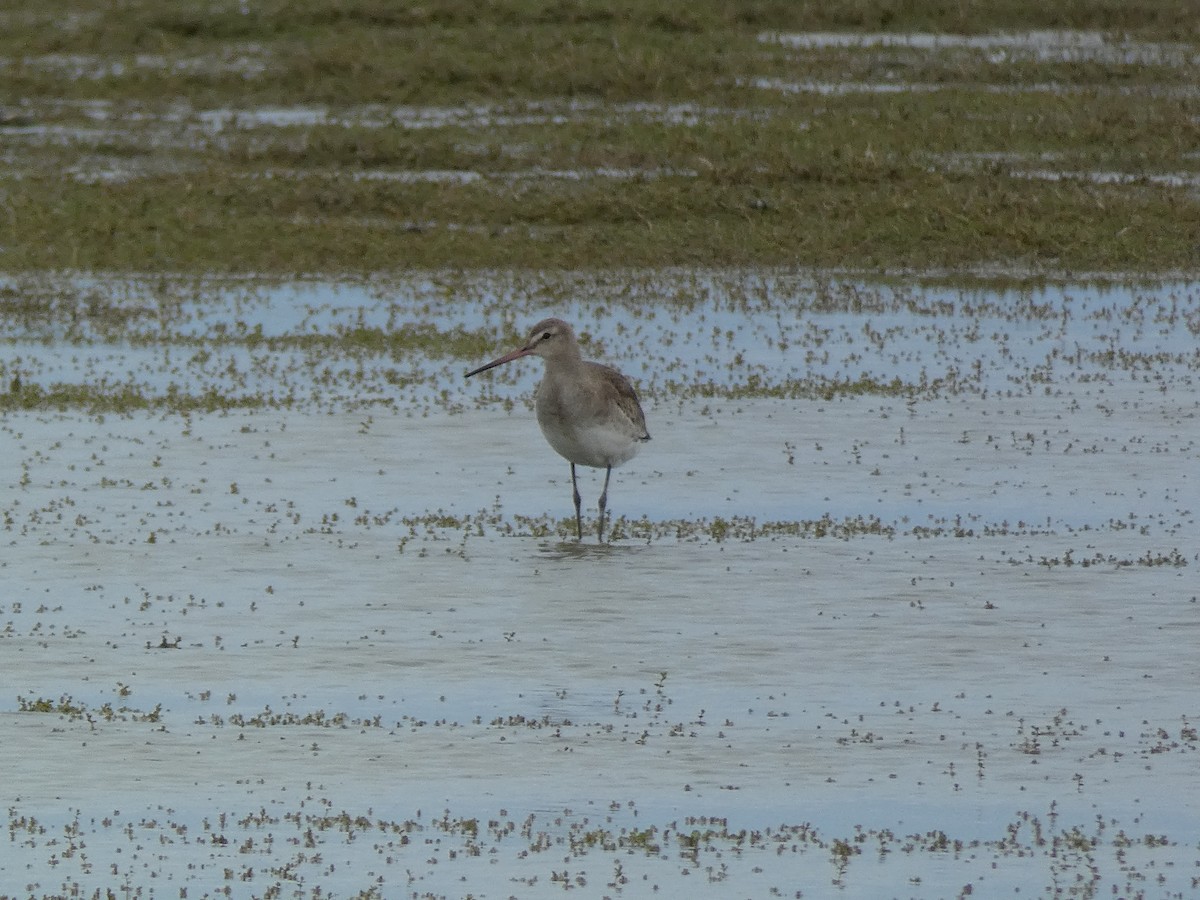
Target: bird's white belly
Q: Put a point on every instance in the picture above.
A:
(595, 445)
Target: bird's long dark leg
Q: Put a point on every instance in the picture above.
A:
(578, 504)
(604, 501)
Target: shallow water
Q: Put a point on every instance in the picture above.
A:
(893, 643)
(1042, 45)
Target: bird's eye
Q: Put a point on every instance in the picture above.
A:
(545, 335)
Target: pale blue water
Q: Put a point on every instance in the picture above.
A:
(368, 626)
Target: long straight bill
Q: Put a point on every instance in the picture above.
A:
(507, 357)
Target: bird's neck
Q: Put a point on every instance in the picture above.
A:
(564, 362)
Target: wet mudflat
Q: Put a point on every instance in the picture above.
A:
(901, 599)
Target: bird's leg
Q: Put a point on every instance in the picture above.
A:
(604, 501)
(578, 502)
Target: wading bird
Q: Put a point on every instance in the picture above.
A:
(588, 412)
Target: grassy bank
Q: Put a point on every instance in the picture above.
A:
(367, 136)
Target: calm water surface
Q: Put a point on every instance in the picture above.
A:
(887, 641)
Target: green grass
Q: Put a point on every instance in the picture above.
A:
(575, 92)
(886, 219)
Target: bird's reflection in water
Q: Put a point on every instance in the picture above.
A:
(556, 550)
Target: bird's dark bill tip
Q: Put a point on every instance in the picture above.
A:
(507, 357)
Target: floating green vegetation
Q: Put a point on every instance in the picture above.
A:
(438, 525)
(1171, 559)
(125, 400)
(442, 527)
(281, 846)
(458, 342)
(64, 706)
(819, 388)
(73, 710)
(269, 718)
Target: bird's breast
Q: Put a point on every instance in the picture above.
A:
(582, 429)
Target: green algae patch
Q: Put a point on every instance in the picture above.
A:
(72, 710)
(97, 400)
(441, 526)
(756, 386)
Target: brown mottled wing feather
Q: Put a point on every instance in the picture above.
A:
(626, 400)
